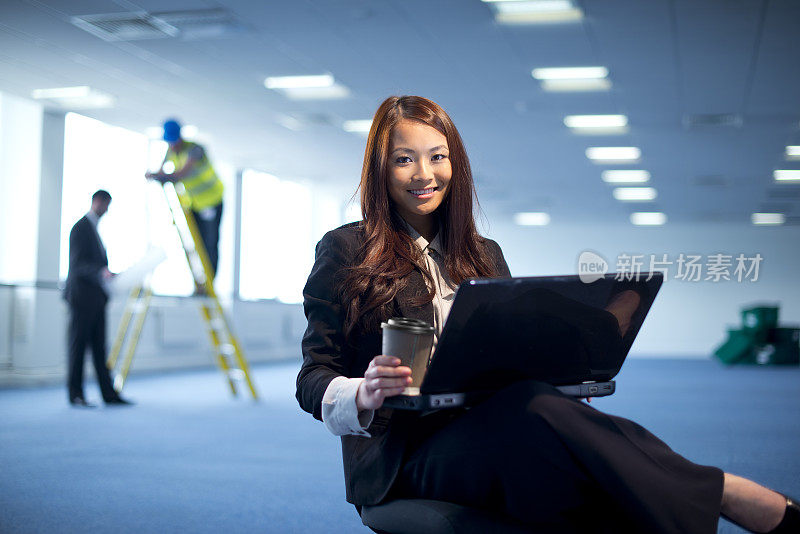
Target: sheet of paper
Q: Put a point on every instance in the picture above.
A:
(125, 281)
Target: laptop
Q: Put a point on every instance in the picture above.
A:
(556, 329)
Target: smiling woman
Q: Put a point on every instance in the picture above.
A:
(526, 452)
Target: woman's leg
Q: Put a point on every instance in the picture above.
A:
(481, 461)
(545, 457)
(752, 506)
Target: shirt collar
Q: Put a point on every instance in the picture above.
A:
(435, 245)
(93, 218)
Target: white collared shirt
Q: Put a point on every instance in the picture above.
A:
(339, 411)
(93, 218)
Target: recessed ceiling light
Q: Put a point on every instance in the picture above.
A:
(787, 175)
(572, 79)
(597, 124)
(635, 194)
(357, 126)
(793, 152)
(79, 97)
(569, 73)
(333, 92)
(625, 177)
(293, 82)
(648, 218)
(613, 154)
(595, 121)
(532, 218)
(535, 11)
(311, 87)
(575, 86)
(768, 218)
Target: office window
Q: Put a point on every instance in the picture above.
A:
(100, 156)
(281, 222)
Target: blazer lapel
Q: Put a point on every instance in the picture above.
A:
(403, 301)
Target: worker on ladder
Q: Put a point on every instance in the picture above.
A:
(194, 171)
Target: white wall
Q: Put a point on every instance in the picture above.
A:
(173, 336)
(688, 319)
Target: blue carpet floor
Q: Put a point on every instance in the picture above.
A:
(189, 458)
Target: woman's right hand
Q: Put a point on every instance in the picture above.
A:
(385, 377)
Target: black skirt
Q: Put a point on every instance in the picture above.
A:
(557, 464)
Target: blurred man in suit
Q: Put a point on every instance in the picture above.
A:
(86, 293)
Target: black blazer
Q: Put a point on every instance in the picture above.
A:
(87, 258)
(370, 464)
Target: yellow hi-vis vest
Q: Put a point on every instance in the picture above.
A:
(203, 186)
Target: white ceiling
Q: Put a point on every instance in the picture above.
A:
(667, 59)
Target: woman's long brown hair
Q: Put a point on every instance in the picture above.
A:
(388, 254)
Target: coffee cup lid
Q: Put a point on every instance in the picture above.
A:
(414, 326)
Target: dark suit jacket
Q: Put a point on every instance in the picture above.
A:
(87, 258)
(370, 464)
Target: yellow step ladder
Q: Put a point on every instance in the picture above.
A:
(227, 349)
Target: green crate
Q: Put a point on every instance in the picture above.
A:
(785, 335)
(760, 317)
(778, 354)
(740, 347)
(783, 347)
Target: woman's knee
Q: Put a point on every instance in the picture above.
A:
(539, 398)
(529, 390)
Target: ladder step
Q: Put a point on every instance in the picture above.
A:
(217, 324)
(227, 349)
(236, 374)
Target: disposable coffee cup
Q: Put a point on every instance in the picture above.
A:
(410, 340)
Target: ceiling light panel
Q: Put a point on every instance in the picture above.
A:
(357, 126)
(768, 219)
(309, 87)
(333, 92)
(635, 194)
(595, 121)
(787, 175)
(294, 82)
(613, 154)
(626, 177)
(532, 218)
(79, 97)
(597, 124)
(648, 218)
(793, 152)
(569, 73)
(575, 86)
(535, 11)
(572, 79)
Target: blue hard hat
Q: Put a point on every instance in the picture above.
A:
(172, 131)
